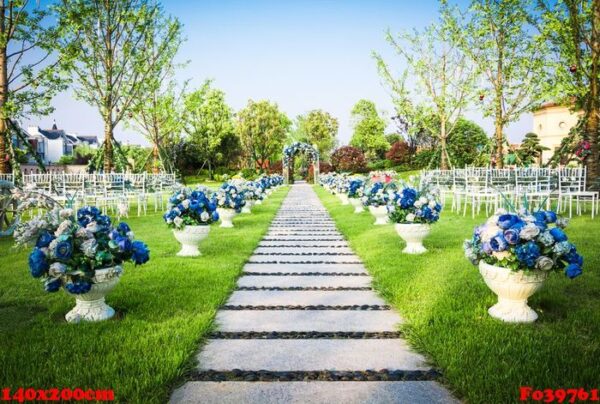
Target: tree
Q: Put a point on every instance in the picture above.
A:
(467, 143)
(348, 158)
(399, 153)
(115, 48)
(208, 121)
(444, 77)
(573, 30)
(318, 128)
(368, 130)
(498, 38)
(30, 71)
(531, 150)
(262, 129)
(392, 138)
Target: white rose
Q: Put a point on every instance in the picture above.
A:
(493, 220)
(62, 228)
(204, 216)
(186, 203)
(65, 213)
(181, 197)
(57, 269)
(178, 221)
(89, 247)
(432, 204)
(544, 263)
(500, 255)
(489, 231)
(423, 200)
(410, 217)
(92, 227)
(418, 204)
(529, 232)
(501, 211)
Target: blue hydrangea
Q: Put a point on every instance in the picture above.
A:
(528, 253)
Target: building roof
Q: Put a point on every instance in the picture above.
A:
(52, 134)
(89, 139)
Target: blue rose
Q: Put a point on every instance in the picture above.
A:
(573, 271)
(550, 216)
(518, 226)
(125, 245)
(558, 234)
(572, 257)
(507, 221)
(38, 264)
(52, 284)
(487, 248)
(528, 253)
(211, 206)
(540, 216)
(78, 287)
(215, 216)
(44, 239)
(123, 228)
(499, 243)
(512, 236)
(63, 250)
(140, 252)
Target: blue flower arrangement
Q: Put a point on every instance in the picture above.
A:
(356, 188)
(229, 197)
(525, 241)
(412, 206)
(191, 207)
(68, 248)
(378, 194)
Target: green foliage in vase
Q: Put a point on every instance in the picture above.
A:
(369, 129)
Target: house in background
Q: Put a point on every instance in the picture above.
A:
(52, 144)
(552, 122)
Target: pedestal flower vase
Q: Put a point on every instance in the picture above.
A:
(344, 198)
(413, 234)
(248, 206)
(189, 238)
(513, 289)
(91, 306)
(226, 216)
(357, 203)
(258, 202)
(380, 213)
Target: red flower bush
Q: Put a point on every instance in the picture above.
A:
(348, 159)
(399, 153)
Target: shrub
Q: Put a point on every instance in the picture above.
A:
(348, 158)
(399, 153)
(275, 167)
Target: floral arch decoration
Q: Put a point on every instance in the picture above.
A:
(289, 152)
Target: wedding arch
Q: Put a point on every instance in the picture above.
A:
(290, 152)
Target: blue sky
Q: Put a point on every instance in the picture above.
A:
(302, 55)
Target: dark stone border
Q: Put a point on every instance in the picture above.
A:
(326, 288)
(322, 375)
(305, 335)
(305, 274)
(367, 307)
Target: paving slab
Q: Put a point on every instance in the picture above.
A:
(309, 354)
(312, 251)
(305, 281)
(314, 392)
(304, 298)
(305, 243)
(342, 259)
(304, 268)
(309, 320)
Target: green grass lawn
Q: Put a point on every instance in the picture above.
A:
(165, 308)
(444, 302)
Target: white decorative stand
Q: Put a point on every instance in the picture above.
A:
(357, 203)
(380, 213)
(344, 198)
(189, 238)
(226, 216)
(413, 234)
(248, 206)
(91, 306)
(258, 202)
(513, 288)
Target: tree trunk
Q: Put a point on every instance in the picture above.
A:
(155, 160)
(444, 156)
(499, 136)
(108, 146)
(4, 138)
(592, 126)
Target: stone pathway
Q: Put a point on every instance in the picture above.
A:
(304, 326)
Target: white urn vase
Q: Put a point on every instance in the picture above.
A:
(413, 234)
(513, 288)
(91, 306)
(357, 203)
(344, 198)
(189, 237)
(226, 216)
(380, 213)
(248, 206)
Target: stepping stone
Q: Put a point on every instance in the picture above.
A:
(302, 249)
(309, 354)
(309, 320)
(306, 243)
(343, 259)
(314, 392)
(303, 298)
(304, 268)
(305, 281)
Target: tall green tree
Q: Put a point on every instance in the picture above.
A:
(573, 30)
(30, 71)
(319, 128)
(208, 122)
(467, 143)
(369, 129)
(116, 47)
(530, 150)
(510, 58)
(443, 75)
(262, 129)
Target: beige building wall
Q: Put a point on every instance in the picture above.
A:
(552, 123)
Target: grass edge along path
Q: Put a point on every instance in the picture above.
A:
(164, 311)
(444, 301)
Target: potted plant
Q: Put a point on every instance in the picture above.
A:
(376, 197)
(229, 202)
(190, 213)
(81, 253)
(413, 212)
(355, 193)
(342, 184)
(252, 193)
(515, 253)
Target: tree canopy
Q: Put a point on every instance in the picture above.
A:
(319, 128)
(369, 129)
